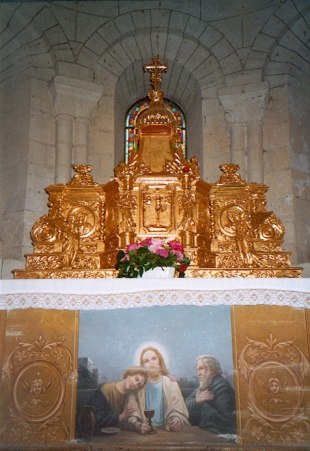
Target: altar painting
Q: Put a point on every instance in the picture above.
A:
(113, 341)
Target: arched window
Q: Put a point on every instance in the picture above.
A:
(139, 106)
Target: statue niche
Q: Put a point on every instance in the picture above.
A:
(224, 227)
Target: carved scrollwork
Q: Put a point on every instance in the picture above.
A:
(275, 371)
(271, 229)
(44, 230)
(37, 374)
(41, 262)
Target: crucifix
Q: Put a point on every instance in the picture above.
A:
(155, 67)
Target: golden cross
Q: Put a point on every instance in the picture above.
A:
(155, 67)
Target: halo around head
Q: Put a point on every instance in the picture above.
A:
(154, 344)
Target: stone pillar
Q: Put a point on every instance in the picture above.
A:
(244, 108)
(255, 151)
(80, 154)
(237, 143)
(74, 101)
(63, 144)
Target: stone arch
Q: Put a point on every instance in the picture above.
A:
(281, 44)
(193, 69)
(30, 45)
(109, 52)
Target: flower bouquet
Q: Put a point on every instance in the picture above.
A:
(151, 253)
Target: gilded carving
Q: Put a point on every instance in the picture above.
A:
(157, 208)
(271, 229)
(44, 230)
(127, 204)
(180, 165)
(274, 372)
(44, 262)
(37, 373)
(156, 68)
(79, 223)
(187, 204)
(224, 227)
(230, 176)
(82, 176)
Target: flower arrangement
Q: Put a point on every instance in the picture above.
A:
(150, 253)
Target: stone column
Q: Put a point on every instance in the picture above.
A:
(255, 151)
(80, 154)
(237, 143)
(74, 101)
(244, 108)
(63, 144)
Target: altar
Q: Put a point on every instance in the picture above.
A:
(53, 330)
(217, 357)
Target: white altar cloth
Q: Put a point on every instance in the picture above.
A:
(105, 294)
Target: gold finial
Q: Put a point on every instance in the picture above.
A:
(155, 67)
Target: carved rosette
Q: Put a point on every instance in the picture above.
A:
(274, 372)
(37, 373)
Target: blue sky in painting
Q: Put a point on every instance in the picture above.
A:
(112, 339)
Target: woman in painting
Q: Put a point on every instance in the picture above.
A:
(161, 393)
(110, 400)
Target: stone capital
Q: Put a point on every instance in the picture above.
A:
(74, 97)
(244, 103)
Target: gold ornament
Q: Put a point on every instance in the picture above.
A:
(224, 226)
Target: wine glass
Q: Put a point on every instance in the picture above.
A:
(149, 413)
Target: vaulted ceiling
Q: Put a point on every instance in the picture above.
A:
(206, 43)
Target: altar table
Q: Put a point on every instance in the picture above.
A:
(265, 322)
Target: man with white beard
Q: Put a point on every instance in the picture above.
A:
(212, 405)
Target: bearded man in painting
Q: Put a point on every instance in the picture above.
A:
(212, 405)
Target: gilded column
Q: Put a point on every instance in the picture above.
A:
(244, 108)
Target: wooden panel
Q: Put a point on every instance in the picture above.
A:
(38, 393)
(2, 334)
(271, 356)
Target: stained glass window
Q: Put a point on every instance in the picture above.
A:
(139, 106)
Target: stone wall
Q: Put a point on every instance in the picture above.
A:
(299, 112)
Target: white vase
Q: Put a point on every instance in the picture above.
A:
(159, 273)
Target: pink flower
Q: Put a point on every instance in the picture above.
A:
(162, 252)
(156, 245)
(179, 255)
(132, 247)
(147, 242)
(176, 246)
